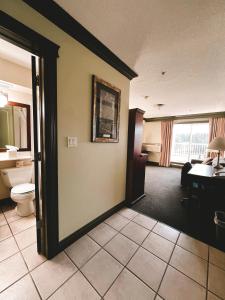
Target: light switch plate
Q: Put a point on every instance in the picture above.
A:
(72, 141)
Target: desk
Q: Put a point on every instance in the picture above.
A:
(209, 185)
(205, 171)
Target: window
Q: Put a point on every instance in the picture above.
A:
(189, 142)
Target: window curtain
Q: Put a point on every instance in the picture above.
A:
(216, 129)
(166, 137)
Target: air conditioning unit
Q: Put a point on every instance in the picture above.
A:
(156, 147)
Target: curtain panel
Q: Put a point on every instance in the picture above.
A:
(216, 129)
(166, 137)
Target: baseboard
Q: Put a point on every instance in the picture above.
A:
(85, 229)
(6, 201)
(177, 165)
(152, 163)
(136, 200)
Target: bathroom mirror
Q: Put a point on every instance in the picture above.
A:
(15, 126)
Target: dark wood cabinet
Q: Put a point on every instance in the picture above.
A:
(136, 160)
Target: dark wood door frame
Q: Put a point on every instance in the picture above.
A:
(24, 37)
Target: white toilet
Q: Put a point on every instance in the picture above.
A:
(22, 191)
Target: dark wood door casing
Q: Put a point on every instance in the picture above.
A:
(26, 38)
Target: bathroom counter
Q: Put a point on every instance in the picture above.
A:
(5, 157)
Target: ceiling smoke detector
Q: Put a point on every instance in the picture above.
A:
(159, 105)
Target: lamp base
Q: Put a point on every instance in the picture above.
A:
(218, 167)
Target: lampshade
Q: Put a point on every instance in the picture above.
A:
(217, 144)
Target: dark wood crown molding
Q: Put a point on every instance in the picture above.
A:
(182, 117)
(25, 37)
(57, 15)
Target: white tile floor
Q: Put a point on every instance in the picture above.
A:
(129, 256)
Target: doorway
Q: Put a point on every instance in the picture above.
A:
(19, 142)
(43, 55)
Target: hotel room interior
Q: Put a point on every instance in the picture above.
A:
(112, 149)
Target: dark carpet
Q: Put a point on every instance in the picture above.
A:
(162, 202)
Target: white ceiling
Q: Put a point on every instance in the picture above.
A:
(184, 38)
(15, 54)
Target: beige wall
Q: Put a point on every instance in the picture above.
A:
(14, 73)
(152, 134)
(92, 176)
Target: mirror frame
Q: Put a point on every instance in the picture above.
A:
(27, 106)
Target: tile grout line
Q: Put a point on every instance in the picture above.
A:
(27, 268)
(176, 245)
(167, 266)
(207, 276)
(21, 218)
(120, 231)
(79, 269)
(19, 250)
(102, 248)
(11, 210)
(5, 289)
(132, 220)
(35, 286)
(150, 231)
(8, 224)
(28, 271)
(140, 246)
(187, 276)
(205, 259)
(62, 284)
(180, 231)
(124, 267)
(215, 295)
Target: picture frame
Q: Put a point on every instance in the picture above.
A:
(105, 111)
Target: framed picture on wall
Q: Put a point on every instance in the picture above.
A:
(105, 111)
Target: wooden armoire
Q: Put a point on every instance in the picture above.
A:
(136, 160)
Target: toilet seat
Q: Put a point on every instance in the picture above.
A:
(24, 188)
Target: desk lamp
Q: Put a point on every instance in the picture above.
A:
(217, 145)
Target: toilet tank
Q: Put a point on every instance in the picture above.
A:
(13, 176)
